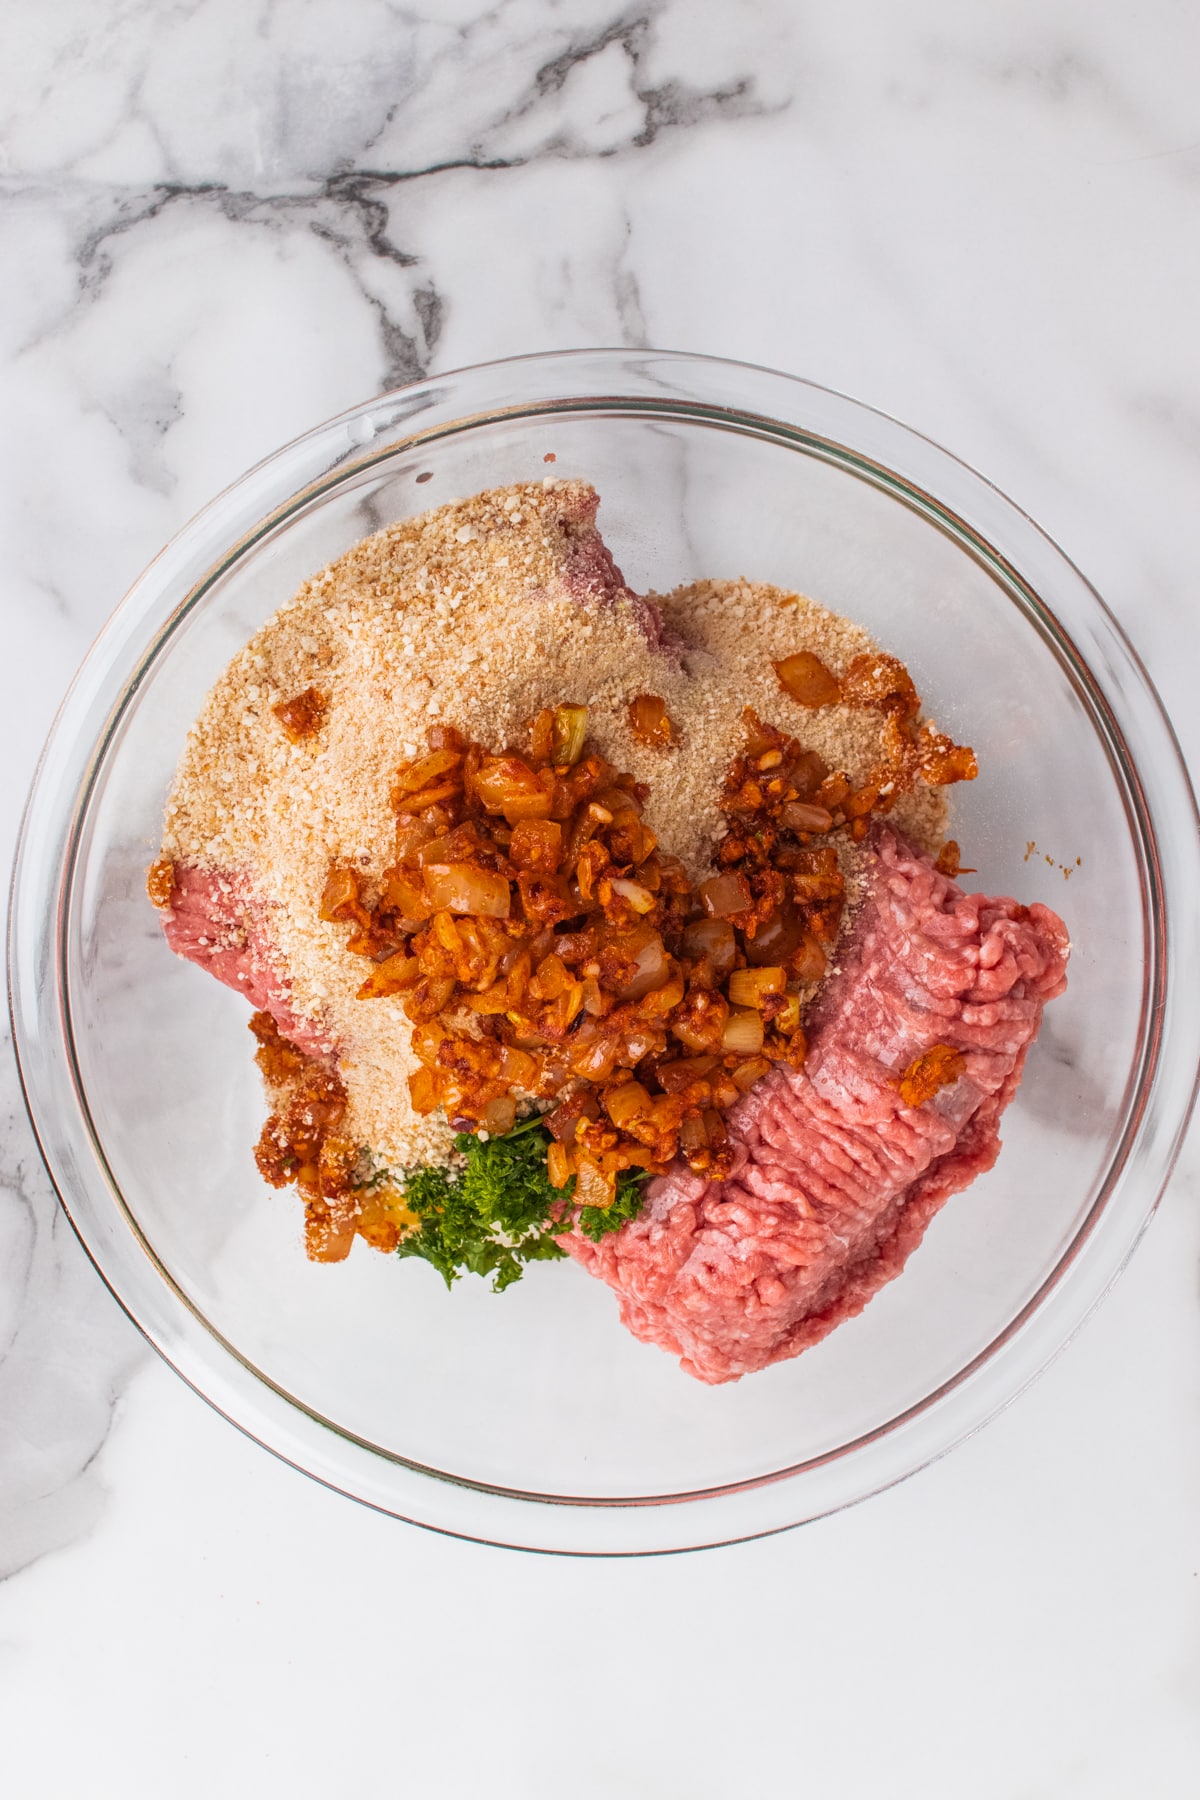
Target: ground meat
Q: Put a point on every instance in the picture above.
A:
(590, 575)
(215, 921)
(835, 1178)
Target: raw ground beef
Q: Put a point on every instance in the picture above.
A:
(216, 921)
(836, 1178)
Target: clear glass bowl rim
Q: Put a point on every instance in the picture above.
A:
(739, 397)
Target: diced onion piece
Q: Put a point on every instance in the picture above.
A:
(429, 996)
(563, 1122)
(517, 1067)
(662, 1000)
(750, 1071)
(725, 895)
(428, 1039)
(594, 1186)
(775, 941)
(424, 1090)
(652, 965)
(700, 1022)
(340, 895)
(758, 736)
(564, 1010)
(464, 888)
(541, 743)
(692, 1134)
(404, 894)
(593, 1058)
(942, 761)
(640, 898)
(877, 680)
(303, 715)
(714, 1127)
(808, 680)
(787, 1019)
(750, 987)
(392, 976)
(436, 794)
(529, 806)
(500, 1115)
(446, 737)
(413, 776)
(743, 1034)
(641, 1041)
(799, 815)
(507, 784)
(809, 962)
(558, 1165)
(629, 1101)
(446, 932)
(649, 722)
(537, 845)
(805, 773)
(712, 938)
(595, 1002)
(818, 876)
(675, 1076)
(551, 980)
(493, 1000)
(569, 733)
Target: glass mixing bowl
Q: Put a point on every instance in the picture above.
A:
(532, 1419)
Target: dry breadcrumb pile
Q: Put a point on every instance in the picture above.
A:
(461, 616)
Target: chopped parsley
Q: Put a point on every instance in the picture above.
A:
(499, 1211)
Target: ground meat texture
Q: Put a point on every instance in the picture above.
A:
(216, 921)
(835, 1178)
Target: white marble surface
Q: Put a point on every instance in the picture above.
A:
(224, 220)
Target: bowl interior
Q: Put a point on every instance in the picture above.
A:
(540, 1390)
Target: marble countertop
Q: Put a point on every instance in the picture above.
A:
(225, 220)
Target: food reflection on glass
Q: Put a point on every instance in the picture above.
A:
(588, 924)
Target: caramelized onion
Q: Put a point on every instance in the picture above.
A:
(725, 896)
(392, 976)
(465, 888)
(640, 898)
(799, 815)
(747, 1073)
(651, 969)
(602, 979)
(808, 680)
(714, 939)
(303, 715)
(500, 1114)
(775, 941)
(413, 776)
(507, 784)
(628, 1101)
(568, 734)
(649, 723)
(743, 1033)
(751, 987)
(341, 893)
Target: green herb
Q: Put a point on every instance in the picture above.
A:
(596, 1222)
(500, 1211)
